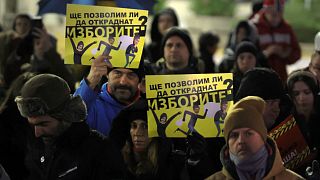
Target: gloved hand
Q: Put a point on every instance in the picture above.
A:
(313, 173)
(196, 144)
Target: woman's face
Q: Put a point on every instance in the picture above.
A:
(165, 22)
(23, 26)
(246, 61)
(303, 96)
(139, 134)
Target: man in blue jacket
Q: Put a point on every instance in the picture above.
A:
(105, 103)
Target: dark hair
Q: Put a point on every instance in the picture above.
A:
(207, 39)
(20, 16)
(307, 77)
(80, 43)
(163, 115)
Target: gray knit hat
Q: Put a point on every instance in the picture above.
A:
(48, 94)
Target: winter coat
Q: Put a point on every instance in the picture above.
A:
(282, 35)
(102, 107)
(78, 154)
(14, 131)
(275, 169)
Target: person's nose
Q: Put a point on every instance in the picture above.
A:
(241, 138)
(124, 79)
(38, 131)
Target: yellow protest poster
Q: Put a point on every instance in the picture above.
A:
(181, 104)
(117, 33)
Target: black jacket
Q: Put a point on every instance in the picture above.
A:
(78, 154)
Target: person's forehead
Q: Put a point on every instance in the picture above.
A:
(175, 39)
(139, 121)
(40, 119)
(123, 70)
(238, 130)
(166, 16)
(22, 19)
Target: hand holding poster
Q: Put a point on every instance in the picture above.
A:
(117, 33)
(181, 104)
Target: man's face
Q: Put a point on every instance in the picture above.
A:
(123, 84)
(139, 134)
(176, 53)
(244, 142)
(271, 112)
(315, 66)
(46, 127)
(23, 26)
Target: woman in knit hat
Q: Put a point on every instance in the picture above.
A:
(304, 92)
(249, 152)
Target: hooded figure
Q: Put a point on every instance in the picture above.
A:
(250, 153)
(161, 22)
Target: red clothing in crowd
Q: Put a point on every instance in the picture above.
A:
(282, 35)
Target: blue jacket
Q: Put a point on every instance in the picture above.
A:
(102, 107)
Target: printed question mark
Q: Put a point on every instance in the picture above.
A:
(229, 82)
(144, 20)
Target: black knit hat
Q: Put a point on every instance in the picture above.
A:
(182, 33)
(48, 94)
(261, 82)
(120, 131)
(246, 46)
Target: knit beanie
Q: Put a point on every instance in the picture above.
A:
(246, 46)
(247, 113)
(120, 131)
(182, 33)
(261, 82)
(48, 94)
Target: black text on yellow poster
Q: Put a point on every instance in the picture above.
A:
(117, 33)
(181, 104)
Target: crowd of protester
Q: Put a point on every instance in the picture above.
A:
(51, 129)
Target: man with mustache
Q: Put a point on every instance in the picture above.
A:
(106, 102)
(250, 153)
